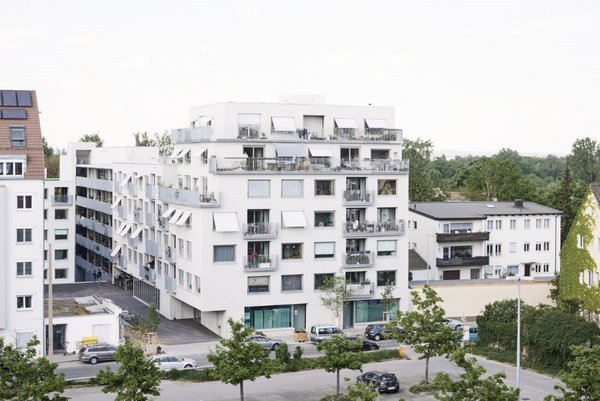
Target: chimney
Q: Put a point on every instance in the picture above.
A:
(518, 202)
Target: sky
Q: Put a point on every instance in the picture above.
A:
(471, 76)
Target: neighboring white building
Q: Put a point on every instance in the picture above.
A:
(21, 218)
(477, 240)
(255, 206)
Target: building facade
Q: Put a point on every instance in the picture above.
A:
(21, 218)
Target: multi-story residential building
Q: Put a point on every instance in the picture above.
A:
(477, 240)
(255, 207)
(21, 217)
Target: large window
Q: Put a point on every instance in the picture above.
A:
(371, 311)
(386, 187)
(324, 187)
(61, 254)
(292, 282)
(11, 169)
(258, 284)
(324, 250)
(386, 277)
(23, 268)
(291, 251)
(24, 202)
(269, 317)
(259, 189)
(61, 214)
(24, 301)
(224, 253)
(321, 279)
(17, 137)
(292, 188)
(324, 219)
(23, 234)
(61, 233)
(386, 248)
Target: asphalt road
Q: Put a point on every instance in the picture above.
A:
(313, 385)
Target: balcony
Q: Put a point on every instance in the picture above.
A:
(138, 216)
(150, 219)
(171, 285)
(373, 228)
(117, 188)
(153, 248)
(62, 200)
(133, 242)
(150, 191)
(256, 231)
(122, 262)
(93, 225)
(163, 223)
(262, 263)
(121, 212)
(170, 255)
(95, 204)
(191, 134)
(358, 259)
(131, 189)
(364, 290)
(95, 183)
(147, 273)
(358, 197)
(463, 261)
(182, 196)
(383, 134)
(463, 236)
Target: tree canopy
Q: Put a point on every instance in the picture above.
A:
(340, 353)
(581, 376)
(92, 138)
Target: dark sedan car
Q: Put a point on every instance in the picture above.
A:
(379, 332)
(383, 382)
(367, 345)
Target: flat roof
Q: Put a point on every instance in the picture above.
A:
(480, 210)
(81, 306)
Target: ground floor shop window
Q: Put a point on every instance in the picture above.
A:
(371, 311)
(268, 317)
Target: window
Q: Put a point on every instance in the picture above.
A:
(512, 270)
(546, 268)
(61, 254)
(356, 277)
(17, 137)
(371, 311)
(197, 284)
(513, 224)
(271, 317)
(258, 284)
(60, 273)
(386, 248)
(513, 247)
(224, 253)
(324, 219)
(490, 225)
(159, 267)
(538, 223)
(538, 246)
(61, 214)
(23, 234)
(414, 225)
(24, 202)
(188, 249)
(180, 249)
(386, 277)
(11, 168)
(489, 250)
(475, 274)
(45, 214)
(291, 251)
(546, 223)
(180, 277)
(537, 268)
(321, 279)
(45, 235)
(526, 247)
(546, 246)
(498, 224)
(23, 268)
(23, 338)
(324, 250)
(292, 188)
(292, 282)
(259, 188)
(498, 249)
(324, 187)
(188, 280)
(386, 187)
(579, 241)
(526, 224)
(24, 301)
(61, 233)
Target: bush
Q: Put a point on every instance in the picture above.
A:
(333, 397)
(497, 327)
(422, 387)
(282, 355)
(192, 375)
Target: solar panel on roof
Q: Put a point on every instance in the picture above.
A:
(24, 98)
(14, 114)
(9, 98)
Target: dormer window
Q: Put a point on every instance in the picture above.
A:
(17, 137)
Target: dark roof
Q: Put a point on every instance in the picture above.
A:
(595, 186)
(477, 210)
(415, 261)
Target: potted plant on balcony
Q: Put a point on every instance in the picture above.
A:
(264, 261)
(300, 335)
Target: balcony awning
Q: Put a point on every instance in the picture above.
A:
(116, 203)
(126, 179)
(167, 213)
(125, 230)
(199, 152)
(181, 154)
(248, 119)
(186, 215)
(376, 123)
(136, 232)
(115, 251)
(226, 222)
(121, 227)
(289, 150)
(176, 216)
(320, 152)
(293, 219)
(283, 124)
(346, 123)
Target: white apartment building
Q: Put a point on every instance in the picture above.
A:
(21, 218)
(256, 206)
(478, 240)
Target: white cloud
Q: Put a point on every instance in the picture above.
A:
(83, 39)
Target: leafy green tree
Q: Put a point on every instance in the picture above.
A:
(418, 152)
(137, 379)
(48, 151)
(92, 138)
(142, 139)
(425, 329)
(564, 202)
(25, 377)
(584, 160)
(472, 385)
(163, 141)
(340, 353)
(237, 358)
(581, 376)
(497, 325)
(152, 320)
(388, 299)
(361, 392)
(334, 294)
(488, 179)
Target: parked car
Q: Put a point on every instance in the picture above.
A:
(383, 382)
(322, 332)
(379, 331)
(367, 345)
(454, 324)
(266, 342)
(97, 353)
(168, 362)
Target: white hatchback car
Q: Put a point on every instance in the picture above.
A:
(168, 362)
(454, 324)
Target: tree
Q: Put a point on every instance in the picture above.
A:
(137, 379)
(564, 202)
(472, 386)
(584, 159)
(152, 319)
(388, 299)
(581, 377)
(362, 392)
(48, 151)
(488, 179)
(163, 141)
(340, 353)
(92, 138)
(25, 377)
(237, 358)
(142, 139)
(418, 152)
(334, 294)
(425, 329)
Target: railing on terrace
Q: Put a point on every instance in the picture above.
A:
(191, 134)
(62, 199)
(374, 228)
(171, 284)
(188, 197)
(358, 259)
(150, 219)
(138, 216)
(260, 263)
(363, 290)
(153, 248)
(362, 196)
(260, 230)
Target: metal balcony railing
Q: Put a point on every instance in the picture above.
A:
(263, 230)
(260, 263)
(358, 259)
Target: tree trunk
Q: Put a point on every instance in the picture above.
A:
(426, 370)
(337, 389)
(241, 391)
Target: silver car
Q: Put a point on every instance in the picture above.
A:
(266, 342)
(97, 353)
(168, 362)
(454, 324)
